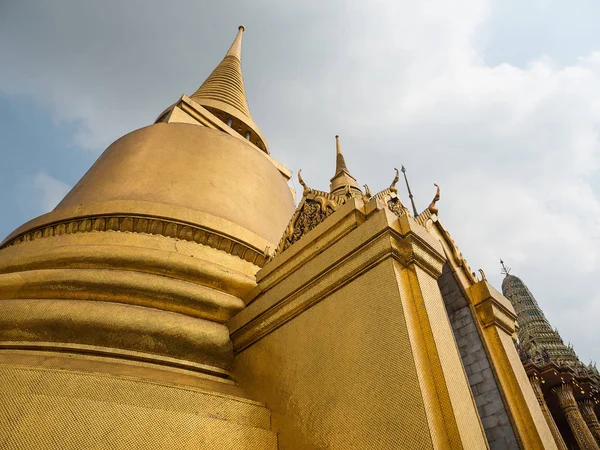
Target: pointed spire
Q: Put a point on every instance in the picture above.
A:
(224, 95)
(340, 162)
(342, 180)
(535, 332)
(505, 270)
(236, 47)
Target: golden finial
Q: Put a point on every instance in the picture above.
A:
(432, 207)
(223, 91)
(303, 184)
(367, 190)
(236, 46)
(483, 277)
(340, 162)
(342, 177)
(393, 187)
(409, 192)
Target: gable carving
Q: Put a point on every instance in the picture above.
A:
(314, 208)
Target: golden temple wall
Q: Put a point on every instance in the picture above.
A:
(341, 375)
(349, 343)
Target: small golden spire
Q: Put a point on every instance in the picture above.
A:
(340, 162)
(223, 93)
(236, 47)
(342, 182)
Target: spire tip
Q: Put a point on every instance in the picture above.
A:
(505, 270)
(242, 28)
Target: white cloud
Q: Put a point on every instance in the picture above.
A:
(515, 147)
(47, 191)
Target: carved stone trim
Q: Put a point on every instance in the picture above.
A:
(145, 225)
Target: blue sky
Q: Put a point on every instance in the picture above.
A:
(496, 101)
(34, 144)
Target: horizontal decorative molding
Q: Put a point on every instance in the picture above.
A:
(383, 244)
(146, 225)
(117, 353)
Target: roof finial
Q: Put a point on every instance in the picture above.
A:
(224, 95)
(505, 270)
(342, 181)
(340, 162)
(409, 192)
(236, 47)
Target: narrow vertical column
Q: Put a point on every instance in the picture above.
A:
(537, 389)
(580, 430)
(496, 317)
(587, 411)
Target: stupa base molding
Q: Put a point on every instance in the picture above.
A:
(93, 402)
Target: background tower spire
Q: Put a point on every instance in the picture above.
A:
(536, 335)
(505, 270)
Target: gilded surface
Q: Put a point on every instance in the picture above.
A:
(348, 300)
(450, 404)
(121, 311)
(147, 225)
(185, 165)
(341, 375)
(224, 93)
(58, 409)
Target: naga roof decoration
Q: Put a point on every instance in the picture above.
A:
(313, 209)
(316, 206)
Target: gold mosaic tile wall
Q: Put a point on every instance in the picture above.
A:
(56, 409)
(341, 375)
(461, 400)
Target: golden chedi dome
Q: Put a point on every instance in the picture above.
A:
(156, 246)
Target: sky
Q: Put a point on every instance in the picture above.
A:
(497, 101)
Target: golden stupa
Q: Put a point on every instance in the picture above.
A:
(178, 298)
